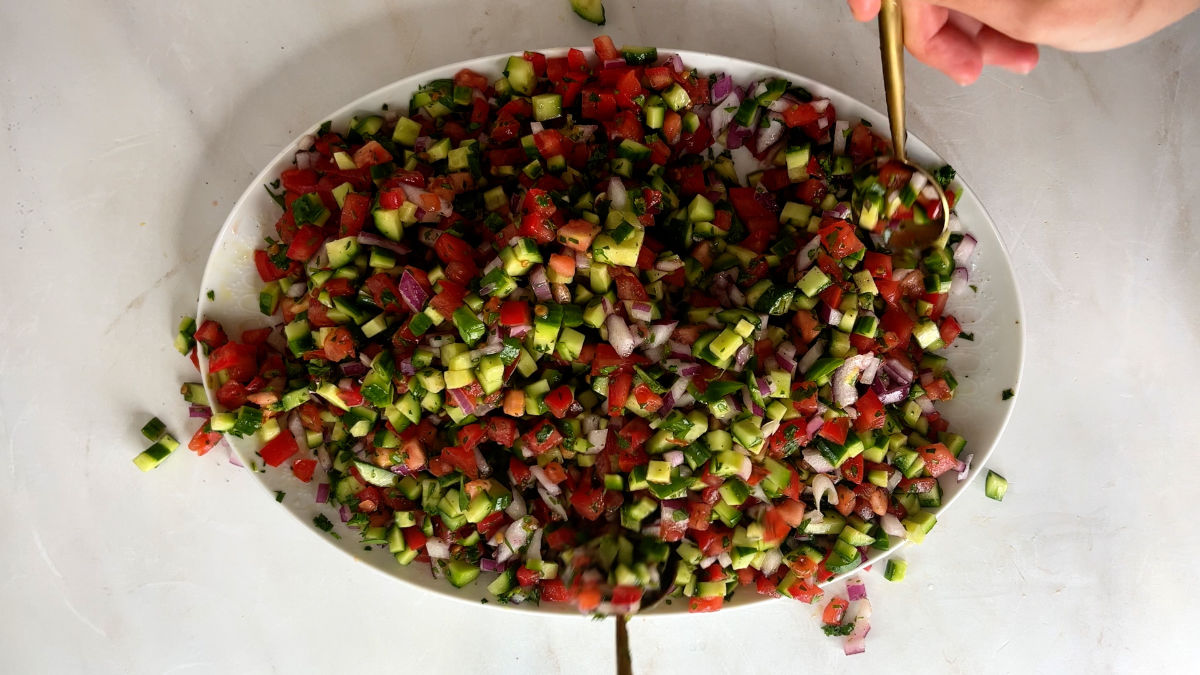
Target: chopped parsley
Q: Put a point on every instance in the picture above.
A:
(211, 294)
(325, 127)
(970, 337)
(322, 522)
(277, 197)
(943, 175)
(279, 495)
(1006, 394)
(835, 630)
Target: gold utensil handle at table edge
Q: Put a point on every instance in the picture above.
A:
(891, 48)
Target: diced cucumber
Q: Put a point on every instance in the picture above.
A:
(995, 486)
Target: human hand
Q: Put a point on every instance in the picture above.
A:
(960, 37)
(953, 42)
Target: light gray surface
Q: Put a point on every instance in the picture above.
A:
(130, 129)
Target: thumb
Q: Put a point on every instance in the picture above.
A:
(863, 10)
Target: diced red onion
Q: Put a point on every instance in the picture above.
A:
(828, 315)
(597, 438)
(841, 211)
(437, 549)
(723, 113)
(541, 287)
(619, 336)
(661, 332)
(764, 386)
(199, 411)
(736, 297)
(725, 559)
(964, 466)
(353, 369)
(297, 430)
(484, 469)
(344, 513)
(489, 565)
(869, 371)
(892, 525)
(407, 367)
(894, 479)
(898, 371)
(536, 127)
(519, 331)
(540, 474)
(817, 461)
(516, 508)
(680, 387)
(959, 281)
(810, 357)
(400, 469)
(323, 458)
(553, 502)
(584, 132)
(690, 370)
(640, 311)
(856, 589)
(617, 195)
(839, 137)
(925, 404)
(900, 274)
(707, 562)
(737, 135)
(515, 537)
(675, 63)
(422, 143)
(673, 457)
(609, 64)
(583, 262)
(306, 160)
(823, 489)
(534, 552)
(368, 239)
(668, 264)
(742, 356)
(962, 252)
(561, 293)
(463, 399)
(804, 258)
(856, 641)
(414, 296)
(322, 493)
(307, 141)
(770, 134)
(721, 87)
(234, 459)
(297, 289)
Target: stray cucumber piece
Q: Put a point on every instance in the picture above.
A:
(589, 10)
(896, 569)
(995, 486)
(155, 454)
(154, 429)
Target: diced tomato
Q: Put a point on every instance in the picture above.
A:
(870, 412)
(211, 334)
(304, 468)
(811, 191)
(775, 526)
(588, 502)
(938, 459)
(279, 448)
(386, 293)
(371, 154)
(469, 78)
(231, 395)
(838, 238)
(542, 437)
(618, 391)
(339, 344)
(461, 459)
(949, 330)
(898, 324)
(646, 398)
(267, 270)
(238, 359)
(835, 611)
(538, 227)
(306, 243)
(605, 49)
(835, 430)
(559, 400)
(852, 469)
(204, 439)
(527, 577)
(554, 590)
(698, 604)
(717, 539)
(878, 264)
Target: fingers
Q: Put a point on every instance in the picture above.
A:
(863, 10)
(935, 40)
(1001, 50)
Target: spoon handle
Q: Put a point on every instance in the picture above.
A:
(891, 48)
(624, 661)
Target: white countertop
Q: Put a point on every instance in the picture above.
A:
(130, 128)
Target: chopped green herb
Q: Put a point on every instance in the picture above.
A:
(1006, 394)
(944, 175)
(211, 294)
(970, 337)
(322, 522)
(279, 495)
(835, 630)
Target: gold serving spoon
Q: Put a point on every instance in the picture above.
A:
(891, 48)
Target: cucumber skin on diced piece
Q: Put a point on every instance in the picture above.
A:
(589, 10)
